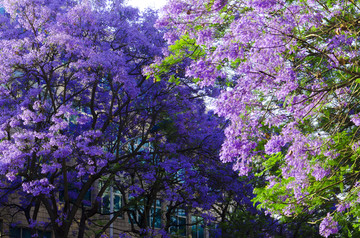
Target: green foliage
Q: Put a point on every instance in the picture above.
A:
(182, 49)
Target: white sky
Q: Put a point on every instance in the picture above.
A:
(142, 4)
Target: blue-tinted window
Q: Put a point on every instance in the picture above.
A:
(117, 200)
(154, 218)
(178, 223)
(15, 232)
(155, 214)
(20, 232)
(197, 229)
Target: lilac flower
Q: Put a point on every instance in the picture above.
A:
(342, 207)
(328, 226)
(356, 119)
(38, 187)
(319, 172)
(274, 145)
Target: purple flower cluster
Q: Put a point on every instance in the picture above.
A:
(78, 114)
(289, 88)
(356, 119)
(38, 187)
(328, 226)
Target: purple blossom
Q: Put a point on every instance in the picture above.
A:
(328, 226)
(341, 207)
(319, 173)
(356, 119)
(38, 187)
(274, 145)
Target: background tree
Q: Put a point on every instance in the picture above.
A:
(289, 70)
(77, 113)
(70, 84)
(79, 118)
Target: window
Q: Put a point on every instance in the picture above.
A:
(197, 229)
(136, 210)
(20, 232)
(154, 219)
(155, 215)
(136, 213)
(178, 223)
(117, 200)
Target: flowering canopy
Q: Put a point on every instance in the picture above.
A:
(290, 77)
(77, 115)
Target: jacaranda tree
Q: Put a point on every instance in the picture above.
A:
(70, 83)
(289, 71)
(79, 119)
